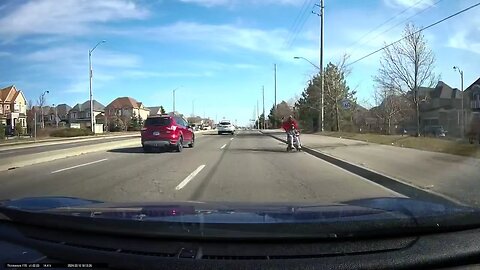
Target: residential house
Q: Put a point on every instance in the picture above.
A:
(125, 108)
(80, 113)
(59, 114)
(472, 107)
(157, 110)
(441, 106)
(13, 107)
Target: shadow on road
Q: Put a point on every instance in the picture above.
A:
(265, 150)
(135, 150)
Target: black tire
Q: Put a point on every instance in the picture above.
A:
(219, 133)
(179, 146)
(192, 143)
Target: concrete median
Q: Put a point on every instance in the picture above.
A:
(25, 160)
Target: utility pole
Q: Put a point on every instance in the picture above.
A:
(275, 97)
(462, 119)
(174, 100)
(322, 79)
(263, 96)
(258, 120)
(322, 109)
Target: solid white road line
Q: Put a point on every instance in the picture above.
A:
(81, 165)
(223, 146)
(189, 178)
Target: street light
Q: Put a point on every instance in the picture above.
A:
(41, 106)
(462, 123)
(92, 118)
(322, 110)
(300, 57)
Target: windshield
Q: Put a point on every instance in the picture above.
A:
(241, 110)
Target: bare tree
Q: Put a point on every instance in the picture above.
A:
(408, 65)
(41, 101)
(390, 106)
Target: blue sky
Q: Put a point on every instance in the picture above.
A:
(219, 52)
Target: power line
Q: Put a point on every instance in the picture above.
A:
(295, 22)
(299, 29)
(384, 23)
(416, 32)
(401, 22)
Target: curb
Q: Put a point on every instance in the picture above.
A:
(391, 183)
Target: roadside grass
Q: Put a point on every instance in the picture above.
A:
(421, 143)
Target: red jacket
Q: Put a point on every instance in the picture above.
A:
(287, 125)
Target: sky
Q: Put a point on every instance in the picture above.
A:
(218, 54)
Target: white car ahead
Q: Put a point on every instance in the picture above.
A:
(225, 126)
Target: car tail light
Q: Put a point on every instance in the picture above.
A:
(172, 128)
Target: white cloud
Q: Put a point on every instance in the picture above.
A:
(66, 16)
(142, 74)
(226, 38)
(416, 4)
(230, 3)
(466, 35)
(74, 56)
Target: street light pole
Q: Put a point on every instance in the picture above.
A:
(92, 117)
(462, 121)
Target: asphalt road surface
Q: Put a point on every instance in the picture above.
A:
(11, 151)
(245, 167)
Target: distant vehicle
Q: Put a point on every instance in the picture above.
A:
(225, 126)
(167, 131)
(435, 131)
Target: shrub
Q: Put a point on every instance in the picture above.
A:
(71, 132)
(18, 130)
(2, 131)
(116, 124)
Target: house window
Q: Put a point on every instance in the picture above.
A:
(119, 112)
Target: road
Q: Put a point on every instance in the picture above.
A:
(245, 167)
(11, 151)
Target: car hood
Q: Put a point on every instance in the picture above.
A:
(191, 218)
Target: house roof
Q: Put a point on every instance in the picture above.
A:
(8, 93)
(124, 102)
(477, 82)
(97, 106)
(154, 110)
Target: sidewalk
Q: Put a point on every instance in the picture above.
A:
(455, 176)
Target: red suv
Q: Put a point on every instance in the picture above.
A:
(167, 131)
